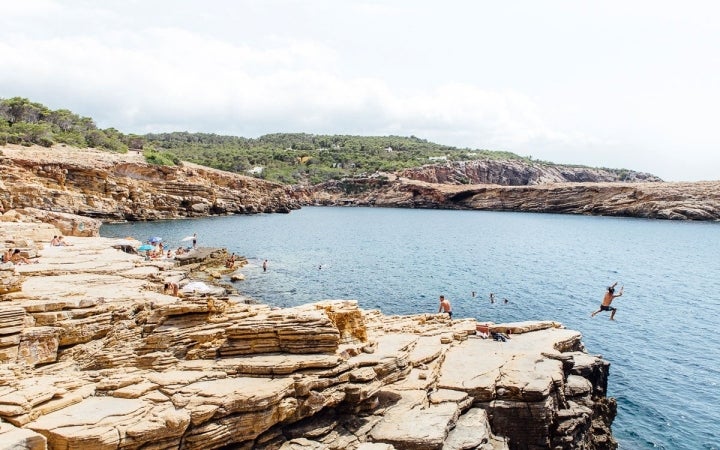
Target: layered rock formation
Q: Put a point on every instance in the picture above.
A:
(513, 172)
(113, 186)
(675, 201)
(51, 183)
(94, 356)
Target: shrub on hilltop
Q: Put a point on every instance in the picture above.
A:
(27, 123)
(288, 158)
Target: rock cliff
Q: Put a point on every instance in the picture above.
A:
(112, 186)
(514, 172)
(94, 356)
(655, 200)
(52, 182)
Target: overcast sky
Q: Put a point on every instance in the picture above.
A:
(623, 84)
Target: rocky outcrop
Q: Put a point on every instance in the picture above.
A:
(664, 200)
(515, 172)
(55, 185)
(113, 186)
(66, 224)
(94, 356)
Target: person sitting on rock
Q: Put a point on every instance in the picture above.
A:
(230, 263)
(7, 256)
(17, 258)
(171, 286)
(445, 306)
(55, 241)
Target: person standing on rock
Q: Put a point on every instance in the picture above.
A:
(607, 300)
(445, 306)
(194, 240)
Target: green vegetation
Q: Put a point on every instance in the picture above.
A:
(295, 158)
(26, 123)
(153, 156)
(289, 158)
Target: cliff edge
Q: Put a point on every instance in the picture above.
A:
(93, 355)
(652, 200)
(113, 186)
(515, 172)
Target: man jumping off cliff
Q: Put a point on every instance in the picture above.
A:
(607, 300)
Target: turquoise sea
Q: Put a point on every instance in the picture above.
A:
(663, 347)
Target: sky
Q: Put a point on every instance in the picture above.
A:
(620, 84)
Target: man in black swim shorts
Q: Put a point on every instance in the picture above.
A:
(445, 306)
(607, 300)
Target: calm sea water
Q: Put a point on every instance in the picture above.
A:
(663, 347)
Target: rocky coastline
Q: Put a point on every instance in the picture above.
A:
(649, 200)
(118, 187)
(94, 355)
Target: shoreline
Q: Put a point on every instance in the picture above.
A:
(117, 187)
(92, 352)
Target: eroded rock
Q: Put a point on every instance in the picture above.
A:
(94, 355)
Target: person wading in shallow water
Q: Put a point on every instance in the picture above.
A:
(607, 300)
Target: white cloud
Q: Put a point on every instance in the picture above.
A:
(189, 81)
(370, 68)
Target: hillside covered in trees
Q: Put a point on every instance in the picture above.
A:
(289, 158)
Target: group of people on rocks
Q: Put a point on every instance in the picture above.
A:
(59, 241)
(159, 252)
(14, 256)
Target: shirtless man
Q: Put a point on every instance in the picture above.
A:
(607, 300)
(445, 306)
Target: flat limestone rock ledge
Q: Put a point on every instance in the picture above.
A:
(94, 356)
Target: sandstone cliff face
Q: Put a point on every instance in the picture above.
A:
(94, 356)
(123, 187)
(517, 173)
(662, 200)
